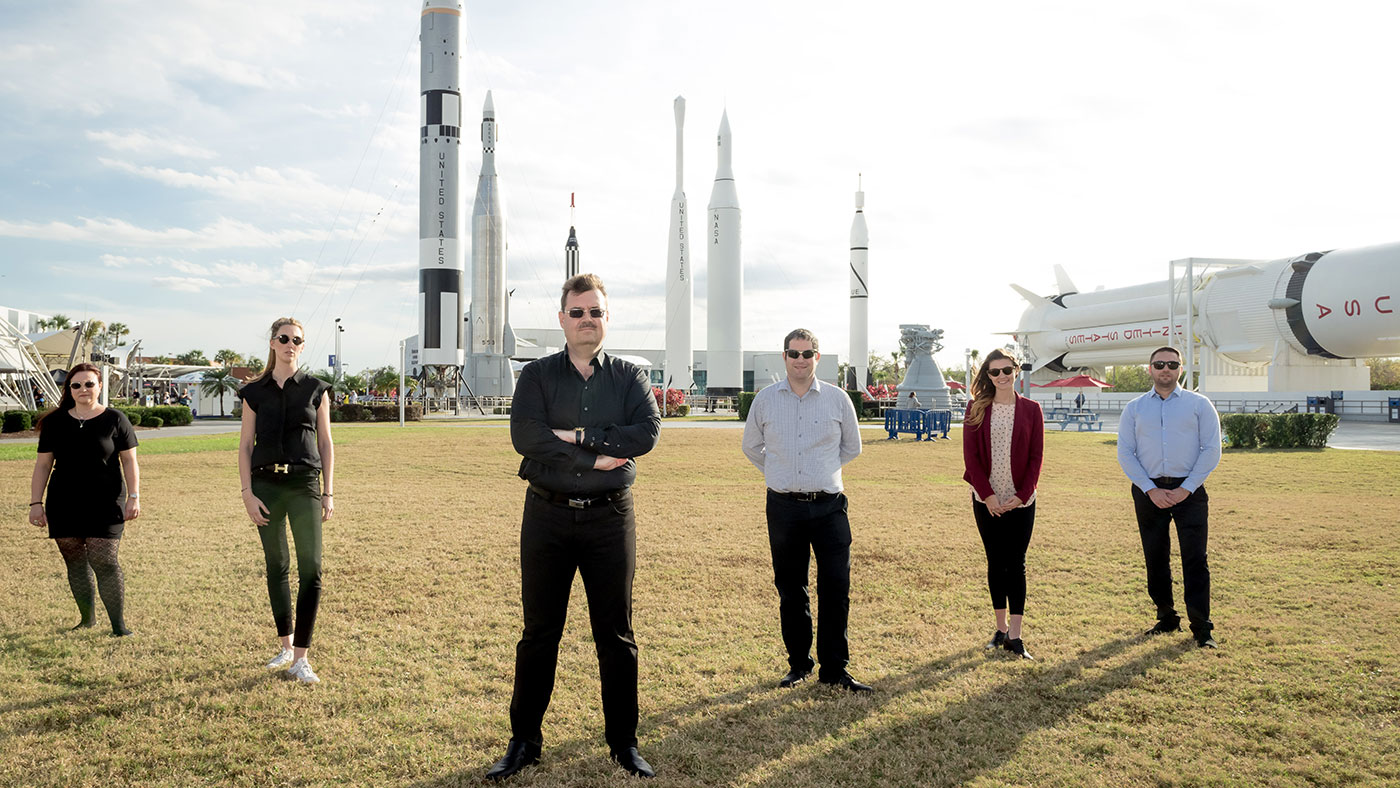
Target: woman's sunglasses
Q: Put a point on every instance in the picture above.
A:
(87, 385)
(801, 353)
(1001, 371)
(285, 338)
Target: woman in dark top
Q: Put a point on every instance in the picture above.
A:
(1003, 437)
(285, 465)
(85, 450)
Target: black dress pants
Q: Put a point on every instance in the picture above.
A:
(600, 543)
(1154, 525)
(294, 498)
(1005, 540)
(796, 531)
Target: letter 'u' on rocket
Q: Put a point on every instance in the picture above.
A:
(440, 215)
(680, 289)
(724, 292)
(860, 292)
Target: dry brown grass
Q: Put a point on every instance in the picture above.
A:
(421, 613)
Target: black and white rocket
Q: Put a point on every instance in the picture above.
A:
(488, 370)
(860, 294)
(571, 245)
(440, 253)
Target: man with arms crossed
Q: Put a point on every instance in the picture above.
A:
(1168, 443)
(577, 419)
(800, 432)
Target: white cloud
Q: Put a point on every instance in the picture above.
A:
(182, 284)
(222, 233)
(142, 143)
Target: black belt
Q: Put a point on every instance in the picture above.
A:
(805, 496)
(1169, 482)
(579, 501)
(286, 468)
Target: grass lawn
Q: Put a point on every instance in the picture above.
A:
(421, 612)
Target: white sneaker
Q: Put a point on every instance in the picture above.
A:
(282, 661)
(301, 671)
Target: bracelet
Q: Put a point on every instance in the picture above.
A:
(37, 503)
(327, 495)
(134, 495)
(245, 489)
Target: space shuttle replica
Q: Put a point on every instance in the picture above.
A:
(1299, 324)
(680, 289)
(440, 251)
(487, 371)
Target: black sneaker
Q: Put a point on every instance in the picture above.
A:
(1164, 627)
(1015, 646)
(996, 641)
(1205, 641)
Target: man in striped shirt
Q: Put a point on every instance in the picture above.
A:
(800, 432)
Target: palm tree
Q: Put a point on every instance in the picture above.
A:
(193, 358)
(57, 323)
(218, 381)
(254, 363)
(228, 358)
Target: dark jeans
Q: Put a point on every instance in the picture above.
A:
(295, 498)
(1005, 540)
(1154, 525)
(601, 545)
(796, 531)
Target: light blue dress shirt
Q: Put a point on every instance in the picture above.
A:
(1178, 436)
(800, 443)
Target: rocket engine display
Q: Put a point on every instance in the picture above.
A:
(1283, 325)
(492, 341)
(725, 286)
(680, 289)
(440, 253)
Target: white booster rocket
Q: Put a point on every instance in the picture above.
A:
(571, 245)
(1287, 321)
(860, 293)
(724, 292)
(440, 225)
(680, 289)
(488, 369)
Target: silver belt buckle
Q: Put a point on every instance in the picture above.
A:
(281, 468)
(579, 503)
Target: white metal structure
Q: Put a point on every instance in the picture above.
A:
(1297, 324)
(725, 286)
(860, 293)
(492, 342)
(21, 367)
(680, 287)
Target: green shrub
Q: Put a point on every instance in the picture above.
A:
(174, 415)
(134, 414)
(385, 411)
(1242, 430)
(18, 420)
(858, 401)
(745, 402)
(152, 421)
(682, 409)
(1278, 430)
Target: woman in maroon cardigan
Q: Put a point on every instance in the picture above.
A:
(1003, 438)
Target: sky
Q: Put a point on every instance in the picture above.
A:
(195, 170)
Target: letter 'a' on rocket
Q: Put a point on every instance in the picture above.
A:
(440, 214)
(680, 289)
(860, 294)
(725, 286)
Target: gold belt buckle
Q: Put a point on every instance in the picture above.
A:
(281, 468)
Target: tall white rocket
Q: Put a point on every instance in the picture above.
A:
(440, 221)
(680, 289)
(724, 294)
(488, 369)
(860, 293)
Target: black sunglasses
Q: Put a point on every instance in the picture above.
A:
(88, 385)
(284, 339)
(1001, 371)
(593, 312)
(801, 353)
(1166, 364)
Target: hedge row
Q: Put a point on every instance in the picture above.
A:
(174, 415)
(379, 411)
(19, 420)
(745, 402)
(1278, 430)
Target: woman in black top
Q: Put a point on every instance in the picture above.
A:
(85, 450)
(285, 464)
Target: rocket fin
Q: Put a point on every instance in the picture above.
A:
(1030, 297)
(1062, 281)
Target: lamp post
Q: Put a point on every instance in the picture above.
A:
(403, 361)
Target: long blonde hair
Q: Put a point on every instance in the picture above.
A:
(983, 389)
(272, 354)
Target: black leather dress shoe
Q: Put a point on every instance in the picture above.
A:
(519, 754)
(1205, 641)
(846, 682)
(1164, 627)
(633, 762)
(996, 641)
(1015, 646)
(794, 677)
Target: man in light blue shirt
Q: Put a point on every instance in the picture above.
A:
(1168, 443)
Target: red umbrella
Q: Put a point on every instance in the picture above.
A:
(1076, 382)
(953, 384)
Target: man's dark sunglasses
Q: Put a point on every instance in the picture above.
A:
(284, 339)
(593, 312)
(1166, 364)
(86, 385)
(994, 372)
(801, 353)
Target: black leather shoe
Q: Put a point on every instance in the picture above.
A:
(1164, 627)
(846, 682)
(519, 754)
(794, 677)
(996, 641)
(1205, 641)
(1015, 646)
(633, 762)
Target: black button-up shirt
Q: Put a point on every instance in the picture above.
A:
(286, 419)
(615, 407)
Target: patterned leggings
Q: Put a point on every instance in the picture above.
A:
(86, 558)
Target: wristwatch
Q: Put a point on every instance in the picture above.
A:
(578, 436)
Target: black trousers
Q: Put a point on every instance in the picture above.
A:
(294, 498)
(798, 530)
(1005, 540)
(599, 543)
(1154, 525)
